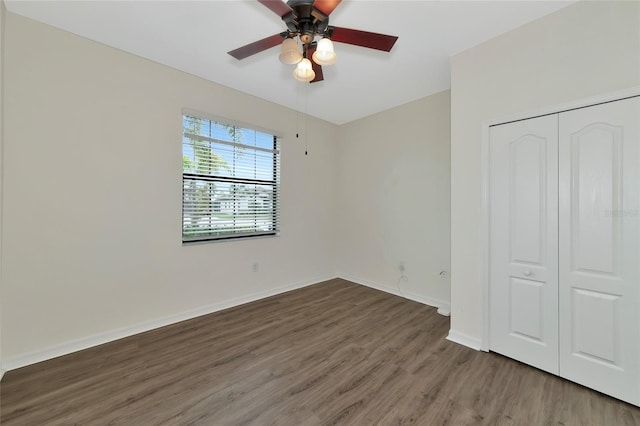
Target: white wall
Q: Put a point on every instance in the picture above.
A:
(586, 49)
(92, 197)
(393, 200)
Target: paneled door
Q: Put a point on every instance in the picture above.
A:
(523, 266)
(599, 267)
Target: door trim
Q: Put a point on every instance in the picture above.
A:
(484, 172)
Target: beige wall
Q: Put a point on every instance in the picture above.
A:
(92, 212)
(587, 49)
(393, 200)
(3, 12)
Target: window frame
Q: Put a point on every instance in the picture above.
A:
(274, 183)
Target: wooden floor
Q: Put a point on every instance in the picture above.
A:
(329, 354)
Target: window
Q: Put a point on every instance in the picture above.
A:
(230, 181)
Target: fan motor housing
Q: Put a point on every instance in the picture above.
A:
(305, 20)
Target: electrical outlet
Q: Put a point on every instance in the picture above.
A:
(255, 266)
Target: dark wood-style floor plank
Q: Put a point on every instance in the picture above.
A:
(335, 353)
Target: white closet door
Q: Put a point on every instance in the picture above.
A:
(524, 241)
(599, 216)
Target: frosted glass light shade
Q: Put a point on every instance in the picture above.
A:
(289, 53)
(303, 71)
(324, 54)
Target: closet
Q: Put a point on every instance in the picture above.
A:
(564, 256)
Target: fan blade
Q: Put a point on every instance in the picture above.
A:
(256, 46)
(278, 7)
(363, 38)
(326, 6)
(316, 67)
(318, 70)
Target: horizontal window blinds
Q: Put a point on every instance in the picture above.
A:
(230, 181)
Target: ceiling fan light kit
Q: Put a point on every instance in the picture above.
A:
(324, 54)
(289, 53)
(307, 19)
(304, 71)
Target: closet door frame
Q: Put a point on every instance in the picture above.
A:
(485, 137)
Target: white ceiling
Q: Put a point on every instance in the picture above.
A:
(194, 36)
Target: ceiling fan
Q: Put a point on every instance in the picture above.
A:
(307, 19)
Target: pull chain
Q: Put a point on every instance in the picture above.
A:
(298, 118)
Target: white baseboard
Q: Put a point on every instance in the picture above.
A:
(465, 340)
(444, 308)
(55, 351)
(445, 311)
